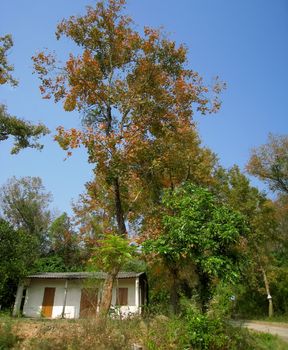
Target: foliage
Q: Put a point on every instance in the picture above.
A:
(8, 339)
(269, 163)
(51, 263)
(6, 44)
(281, 244)
(25, 134)
(136, 95)
(204, 332)
(264, 241)
(64, 244)
(135, 264)
(112, 252)
(29, 242)
(200, 233)
(24, 203)
(17, 254)
(279, 288)
(223, 303)
(159, 332)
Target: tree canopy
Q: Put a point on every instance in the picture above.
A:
(269, 163)
(24, 203)
(137, 97)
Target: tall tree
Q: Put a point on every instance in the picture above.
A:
(269, 163)
(24, 204)
(136, 96)
(234, 188)
(25, 134)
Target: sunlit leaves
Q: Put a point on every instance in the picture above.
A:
(6, 44)
(270, 163)
(201, 231)
(137, 97)
(24, 133)
(112, 252)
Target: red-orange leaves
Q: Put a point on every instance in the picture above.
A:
(51, 77)
(137, 99)
(68, 139)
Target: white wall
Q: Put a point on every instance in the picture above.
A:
(131, 308)
(35, 293)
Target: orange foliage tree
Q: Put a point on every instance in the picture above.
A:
(137, 98)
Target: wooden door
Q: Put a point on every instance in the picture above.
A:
(122, 296)
(88, 302)
(48, 301)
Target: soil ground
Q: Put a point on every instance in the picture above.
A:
(275, 328)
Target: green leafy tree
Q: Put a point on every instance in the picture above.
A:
(64, 245)
(17, 256)
(24, 203)
(110, 255)
(203, 234)
(234, 189)
(24, 133)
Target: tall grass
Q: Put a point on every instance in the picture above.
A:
(190, 331)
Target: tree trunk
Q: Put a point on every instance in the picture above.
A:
(118, 209)
(203, 289)
(270, 306)
(174, 292)
(106, 299)
(105, 302)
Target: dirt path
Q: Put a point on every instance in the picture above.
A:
(280, 329)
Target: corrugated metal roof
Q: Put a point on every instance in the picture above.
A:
(83, 275)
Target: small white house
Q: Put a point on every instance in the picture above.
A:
(77, 294)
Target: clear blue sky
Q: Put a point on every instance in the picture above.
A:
(244, 42)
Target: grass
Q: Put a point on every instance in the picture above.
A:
(156, 333)
(265, 341)
(8, 339)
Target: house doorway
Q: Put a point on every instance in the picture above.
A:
(22, 301)
(48, 301)
(88, 302)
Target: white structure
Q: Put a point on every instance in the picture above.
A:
(77, 294)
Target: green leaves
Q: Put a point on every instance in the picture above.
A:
(112, 252)
(25, 134)
(6, 44)
(199, 229)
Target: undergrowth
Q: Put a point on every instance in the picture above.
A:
(192, 330)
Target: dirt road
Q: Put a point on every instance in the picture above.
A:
(280, 329)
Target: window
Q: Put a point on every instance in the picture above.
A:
(122, 296)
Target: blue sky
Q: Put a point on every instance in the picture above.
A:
(244, 42)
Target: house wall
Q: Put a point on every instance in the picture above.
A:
(35, 293)
(131, 308)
